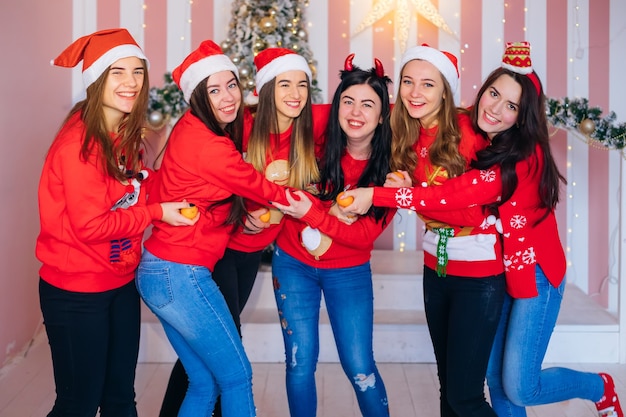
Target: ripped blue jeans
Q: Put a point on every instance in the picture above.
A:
(349, 301)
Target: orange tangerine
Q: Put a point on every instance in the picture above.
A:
(189, 212)
(344, 201)
(399, 175)
(265, 217)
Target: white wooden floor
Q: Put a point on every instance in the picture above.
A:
(27, 389)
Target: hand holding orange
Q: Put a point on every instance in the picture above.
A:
(398, 174)
(265, 217)
(344, 201)
(189, 212)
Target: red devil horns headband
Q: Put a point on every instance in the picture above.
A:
(380, 71)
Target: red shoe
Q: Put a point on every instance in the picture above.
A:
(609, 406)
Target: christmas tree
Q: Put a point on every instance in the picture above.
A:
(256, 25)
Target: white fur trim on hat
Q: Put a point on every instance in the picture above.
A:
(95, 70)
(284, 63)
(438, 59)
(202, 69)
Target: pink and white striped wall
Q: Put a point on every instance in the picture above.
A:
(578, 49)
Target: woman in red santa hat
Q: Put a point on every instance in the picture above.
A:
(463, 271)
(93, 212)
(203, 164)
(516, 178)
(282, 130)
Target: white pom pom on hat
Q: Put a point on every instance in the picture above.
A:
(205, 61)
(445, 62)
(98, 51)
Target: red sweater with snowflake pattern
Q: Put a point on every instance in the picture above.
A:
(526, 242)
(475, 250)
(91, 225)
(203, 168)
(350, 245)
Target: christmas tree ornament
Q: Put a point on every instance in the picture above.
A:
(267, 24)
(156, 119)
(245, 71)
(258, 46)
(225, 45)
(587, 126)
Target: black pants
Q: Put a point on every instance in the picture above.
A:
(94, 341)
(463, 315)
(234, 274)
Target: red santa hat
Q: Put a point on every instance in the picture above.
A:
(516, 58)
(271, 62)
(98, 51)
(444, 61)
(205, 61)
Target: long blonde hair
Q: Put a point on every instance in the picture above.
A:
(444, 151)
(303, 169)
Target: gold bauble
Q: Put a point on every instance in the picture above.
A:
(313, 71)
(225, 45)
(587, 126)
(157, 120)
(245, 71)
(267, 24)
(258, 46)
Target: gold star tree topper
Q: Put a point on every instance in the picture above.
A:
(403, 13)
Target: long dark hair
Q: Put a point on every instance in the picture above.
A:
(200, 106)
(332, 179)
(519, 142)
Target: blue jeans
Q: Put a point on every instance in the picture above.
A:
(462, 315)
(199, 326)
(514, 375)
(349, 300)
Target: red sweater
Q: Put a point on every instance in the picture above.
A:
(341, 245)
(277, 170)
(85, 245)
(525, 242)
(203, 168)
(473, 251)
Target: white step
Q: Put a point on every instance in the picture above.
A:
(584, 333)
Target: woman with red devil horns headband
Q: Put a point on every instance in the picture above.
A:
(317, 253)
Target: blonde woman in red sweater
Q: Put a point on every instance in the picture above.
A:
(93, 212)
(463, 272)
(517, 179)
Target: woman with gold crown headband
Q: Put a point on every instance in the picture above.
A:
(318, 253)
(516, 177)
